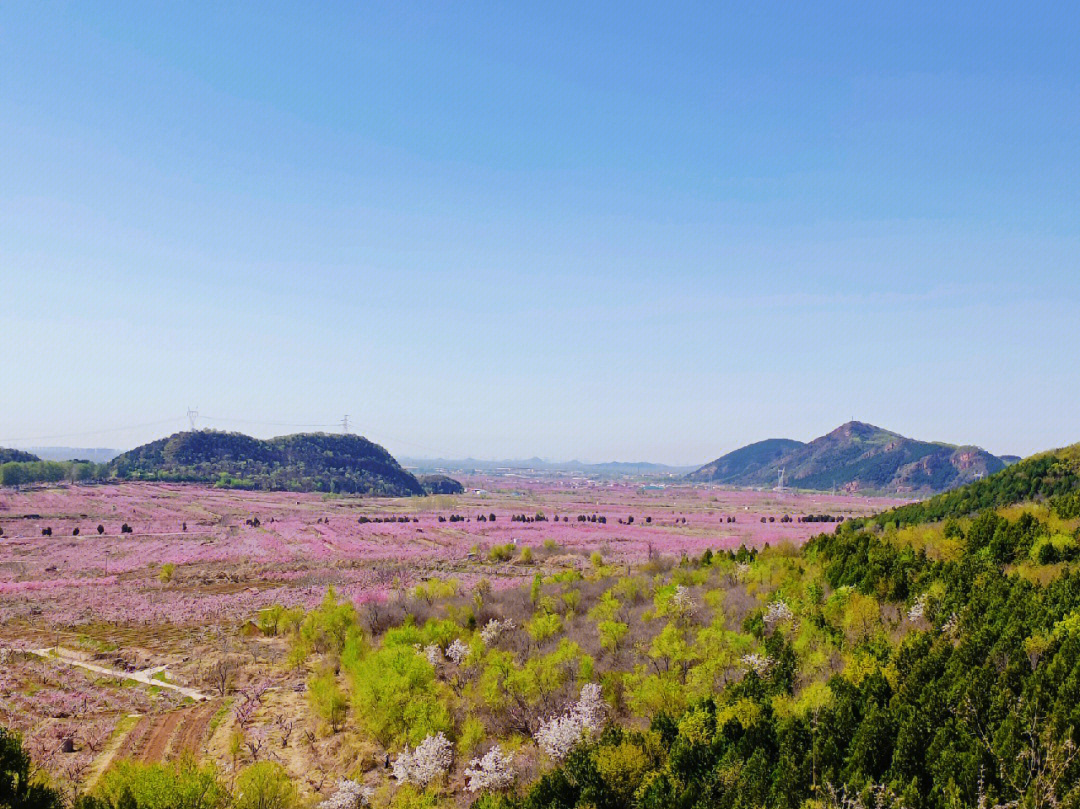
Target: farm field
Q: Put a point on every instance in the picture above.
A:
(177, 574)
(226, 553)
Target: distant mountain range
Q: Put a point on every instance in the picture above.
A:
(92, 454)
(609, 469)
(853, 457)
(300, 462)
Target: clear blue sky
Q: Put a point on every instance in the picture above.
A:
(604, 231)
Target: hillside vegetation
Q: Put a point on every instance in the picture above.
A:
(440, 484)
(853, 457)
(928, 662)
(16, 456)
(300, 462)
(1053, 476)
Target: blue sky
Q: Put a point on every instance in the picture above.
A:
(603, 231)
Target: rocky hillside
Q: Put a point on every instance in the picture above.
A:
(301, 462)
(853, 457)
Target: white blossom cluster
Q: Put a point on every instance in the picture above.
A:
(560, 734)
(951, 626)
(494, 629)
(429, 762)
(918, 609)
(681, 602)
(590, 707)
(742, 570)
(493, 771)
(457, 651)
(433, 654)
(757, 663)
(778, 612)
(348, 794)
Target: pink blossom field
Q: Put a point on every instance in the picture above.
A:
(242, 551)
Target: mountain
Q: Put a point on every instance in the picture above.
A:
(853, 457)
(747, 461)
(1052, 476)
(608, 469)
(300, 462)
(16, 456)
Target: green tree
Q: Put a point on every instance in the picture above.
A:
(265, 785)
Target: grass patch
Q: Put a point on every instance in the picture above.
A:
(218, 717)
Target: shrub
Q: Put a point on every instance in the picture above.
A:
(264, 785)
(328, 700)
(181, 783)
(397, 698)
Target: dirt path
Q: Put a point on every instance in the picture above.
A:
(166, 736)
(145, 676)
(193, 732)
(133, 742)
(158, 744)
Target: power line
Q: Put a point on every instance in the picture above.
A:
(192, 416)
(90, 432)
(266, 423)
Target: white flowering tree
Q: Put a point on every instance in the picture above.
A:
(457, 651)
(758, 663)
(559, 735)
(682, 603)
(918, 609)
(429, 762)
(348, 794)
(492, 772)
(778, 613)
(494, 629)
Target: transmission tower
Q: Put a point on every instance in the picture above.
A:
(780, 480)
(193, 416)
(345, 423)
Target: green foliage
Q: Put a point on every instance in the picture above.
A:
(501, 553)
(544, 625)
(330, 627)
(327, 699)
(19, 473)
(303, 462)
(973, 702)
(536, 588)
(180, 784)
(1054, 475)
(17, 790)
(397, 698)
(265, 785)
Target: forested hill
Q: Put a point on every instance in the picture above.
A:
(853, 457)
(931, 666)
(1053, 476)
(16, 456)
(747, 462)
(300, 462)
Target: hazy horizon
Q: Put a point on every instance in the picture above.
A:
(603, 232)
(404, 454)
